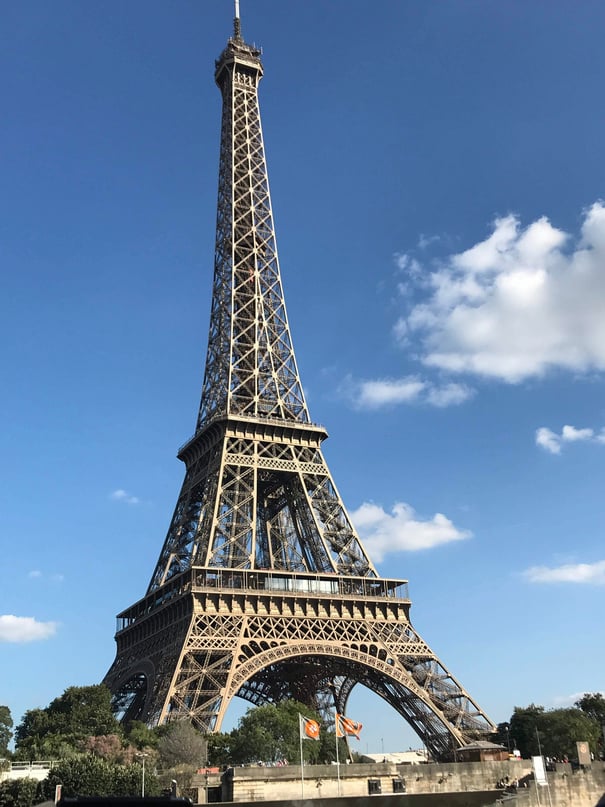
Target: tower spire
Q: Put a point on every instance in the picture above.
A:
(237, 27)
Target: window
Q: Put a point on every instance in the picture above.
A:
(374, 787)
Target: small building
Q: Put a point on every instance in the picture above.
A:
(480, 751)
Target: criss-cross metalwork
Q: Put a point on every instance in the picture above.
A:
(263, 588)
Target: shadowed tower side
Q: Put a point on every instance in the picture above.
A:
(263, 588)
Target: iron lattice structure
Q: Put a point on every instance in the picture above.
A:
(263, 588)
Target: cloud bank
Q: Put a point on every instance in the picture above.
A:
(389, 392)
(587, 573)
(514, 306)
(552, 442)
(400, 530)
(24, 629)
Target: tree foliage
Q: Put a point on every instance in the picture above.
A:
(552, 732)
(563, 728)
(110, 747)
(522, 728)
(20, 792)
(84, 712)
(593, 705)
(6, 724)
(141, 736)
(270, 733)
(62, 728)
(181, 744)
(88, 775)
(503, 735)
(31, 734)
(219, 749)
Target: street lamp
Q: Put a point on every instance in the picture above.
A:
(141, 755)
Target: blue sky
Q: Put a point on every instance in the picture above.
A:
(436, 171)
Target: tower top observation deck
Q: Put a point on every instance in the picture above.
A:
(238, 51)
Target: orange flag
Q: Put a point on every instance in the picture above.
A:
(344, 725)
(309, 729)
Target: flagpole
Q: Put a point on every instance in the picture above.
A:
(337, 757)
(302, 773)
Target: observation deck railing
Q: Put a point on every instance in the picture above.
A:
(264, 582)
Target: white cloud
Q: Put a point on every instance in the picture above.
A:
(551, 441)
(24, 629)
(123, 496)
(548, 440)
(570, 700)
(380, 393)
(516, 305)
(34, 574)
(593, 573)
(401, 531)
(571, 434)
(449, 394)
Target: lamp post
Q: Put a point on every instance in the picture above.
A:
(142, 756)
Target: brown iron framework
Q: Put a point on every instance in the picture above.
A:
(263, 588)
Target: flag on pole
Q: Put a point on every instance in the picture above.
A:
(344, 725)
(309, 729)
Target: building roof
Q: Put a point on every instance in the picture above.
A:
(410, 757)
(482, 745)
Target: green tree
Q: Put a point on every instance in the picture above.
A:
(20, 793)
(503, 735)
(271, 732)
(563, 728)
(522, 727)
(219, 749)
(61, 729)
(327, 748)
(554, 733)
(32, 735)
(141, 736)
(6, 724)
(87, 775)
(84, 712)
(593, 705)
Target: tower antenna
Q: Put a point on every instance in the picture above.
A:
(237, 29)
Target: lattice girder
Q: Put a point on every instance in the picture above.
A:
(260, 497)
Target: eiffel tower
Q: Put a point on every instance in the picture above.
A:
(263, 588)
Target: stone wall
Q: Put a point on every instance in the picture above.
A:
(26, 770)
(582, 788)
